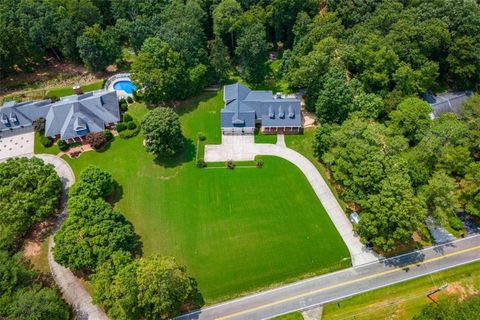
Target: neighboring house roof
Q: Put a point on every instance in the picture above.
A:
(244, 106)
(16, 115)
(75, 116)
(446, 102)
(71, 117)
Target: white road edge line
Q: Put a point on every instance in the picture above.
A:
(373, 288)
(323, 276)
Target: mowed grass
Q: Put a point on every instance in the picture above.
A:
(67, 91)
(236, 231)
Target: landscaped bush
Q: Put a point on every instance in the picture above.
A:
(96, 139)
(259, 163)
(108, 135)
(230, 164)
(129, 100)
(129, 133)
(121, 127)
(127, 117)
(201, 136)
(122, 101)
(46, 141)
(62, 145)
(455, 223)
(124, 106)
(131, 125)
(201, 163)
(135, 95)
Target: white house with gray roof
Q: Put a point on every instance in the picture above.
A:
(68, 119)
(244, 108)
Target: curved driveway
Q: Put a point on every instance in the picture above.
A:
(72, 290)
(243, 148)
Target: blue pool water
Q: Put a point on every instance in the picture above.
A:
(125, 85)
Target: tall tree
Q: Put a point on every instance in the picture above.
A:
(464, 62)
(162, 132)
(394, 214)
(440, 196)
(251, 50)
(97, 48)
(412, 119)
(225, 16)
(160, 71)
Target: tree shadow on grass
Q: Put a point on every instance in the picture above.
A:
(189, 105)
(187, 154)
(117, 193)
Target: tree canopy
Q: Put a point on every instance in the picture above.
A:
(162, 132)
(29, 193)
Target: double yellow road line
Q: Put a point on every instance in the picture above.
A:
(299, 296)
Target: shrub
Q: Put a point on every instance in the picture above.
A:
(121, 127)
(131, 125)
(455, 223)
(122, 101)
(201, 163)
(201, 137)
(260, 163)
(135, 95)
(230, 164)
(96, 139)
(46, 141)
(62, 145)
(123, 106)
(129, 99)
(108, 135)
(129, 133)
(127, 117)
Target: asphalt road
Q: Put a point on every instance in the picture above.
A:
(343, 284)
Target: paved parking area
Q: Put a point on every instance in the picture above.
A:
(16, 143)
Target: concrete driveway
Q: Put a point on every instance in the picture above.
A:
(244, 148)
(16, 143)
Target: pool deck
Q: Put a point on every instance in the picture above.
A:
(120, 93)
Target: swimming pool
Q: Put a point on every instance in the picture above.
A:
(124, 85)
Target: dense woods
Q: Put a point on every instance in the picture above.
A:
(29, 193)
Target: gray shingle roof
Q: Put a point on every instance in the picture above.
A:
(15, 115)
(71, 117)
(447, 102)
(244, 106)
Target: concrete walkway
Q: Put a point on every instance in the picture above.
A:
(72, 290)
(243, 148)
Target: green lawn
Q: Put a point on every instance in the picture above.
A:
(404, 300)
(39, 148)
(236, 230)
(290, 316)
(67, 91)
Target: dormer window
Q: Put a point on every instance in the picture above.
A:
(281, 114)
(291, 114)
(13, 118)
(4, 119)
(271, 115)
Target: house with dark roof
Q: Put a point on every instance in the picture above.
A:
(446, 102)
(245, 108)
(68, 119)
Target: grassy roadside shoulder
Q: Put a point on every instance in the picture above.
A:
(405, 300)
